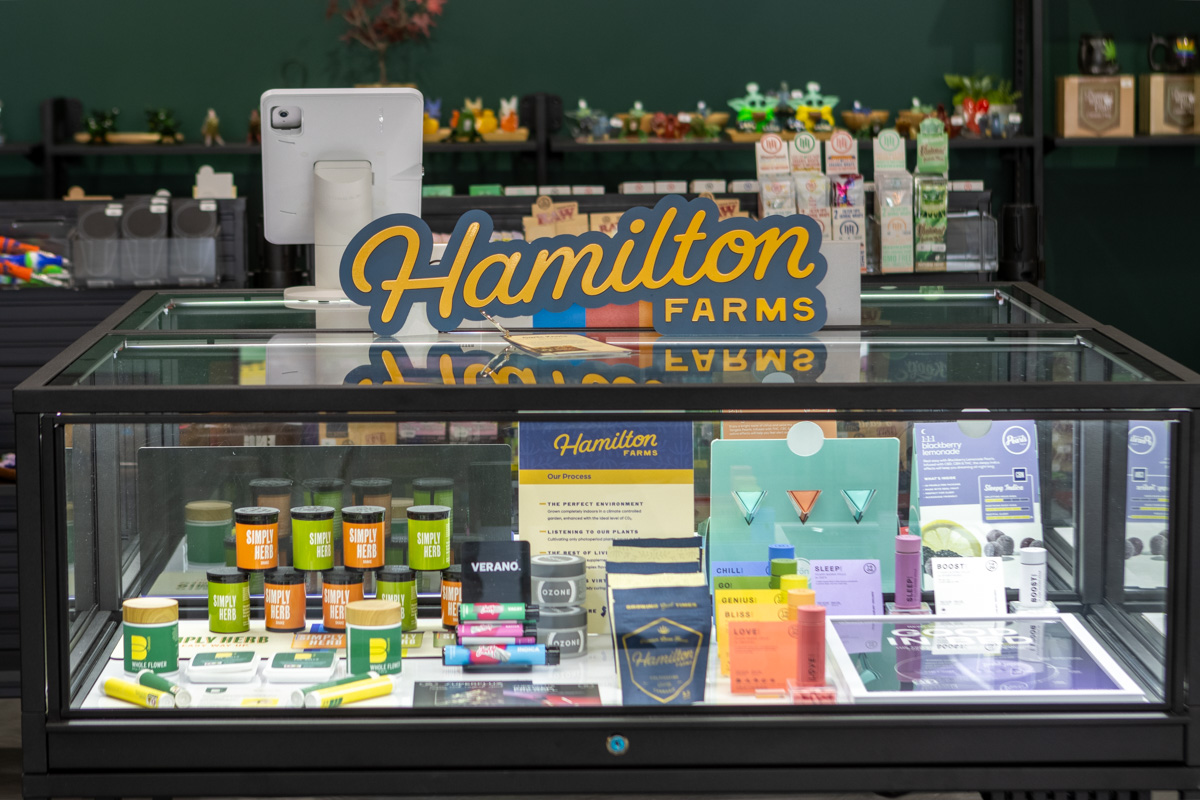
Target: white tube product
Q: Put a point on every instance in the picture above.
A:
(1033, 577)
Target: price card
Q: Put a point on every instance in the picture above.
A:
(969, 586)
(847, 586)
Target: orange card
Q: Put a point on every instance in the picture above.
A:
(762, 656)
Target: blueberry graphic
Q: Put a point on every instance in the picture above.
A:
(1128, 550)
(1138, 547)
(994, 534)
(928, 567)
(947, 554)
(1158, 544)
(992, 549)
(926, 552)
(1037, 543)
(1006, 544)
(1026, 542)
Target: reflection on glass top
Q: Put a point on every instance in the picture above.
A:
(927, 306)
(484, 358)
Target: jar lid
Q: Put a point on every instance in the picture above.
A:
(276, 484)
(428, 512)
(227, 575)
(433, 484)
(372, 484)
(363, 514)
(560, 617)
(313, 512)
(150, 610)
(557, 565)
(257, 515)
(1033, 556)
(783, 566)
(340, 576)
(452, 573)
(373, 612)
(284, 576)
(324, 484)
(396, 573)
(208, 511)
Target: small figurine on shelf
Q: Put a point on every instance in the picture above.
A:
(100, 124)
(587, 123)
(666, 126)
(487, 122)
(907, 119)
(754, 110)
(433, 116)
(816, 110)
(254, 130)
(509, 121)
(162, 122)
(635, 122)
(211, 129)
(463, 122)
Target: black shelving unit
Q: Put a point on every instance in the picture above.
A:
(1053, 143)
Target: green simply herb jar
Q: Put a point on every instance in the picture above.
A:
(228, 600)
(429, 537)
(399, 584)
(312, 538)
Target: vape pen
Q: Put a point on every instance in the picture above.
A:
(1033, 577)
(810, 645)
(298, 696)
(497, 629)
(908, 571)
(484, 612)
(468, 641)
(491, 654)
(349, 693)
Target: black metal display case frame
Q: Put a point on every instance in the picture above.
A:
(693, 750)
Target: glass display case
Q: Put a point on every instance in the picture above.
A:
(263, 554)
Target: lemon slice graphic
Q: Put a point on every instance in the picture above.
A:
(943, 534)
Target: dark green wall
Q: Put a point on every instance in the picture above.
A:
(1111, 214)
(1121, 241)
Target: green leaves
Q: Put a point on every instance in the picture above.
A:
(996, 91)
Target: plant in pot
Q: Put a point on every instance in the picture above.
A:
(379, 24)
(977, 95)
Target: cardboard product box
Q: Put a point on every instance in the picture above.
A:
(520, 191)
(771, 158)
(1166, 104)
(824, 218)
(777, 198)
(966, 186)
(587, 190)
(896, 239)
(437, 190)
(743, 187)
(354, 433)
(1094, 105)
(711, 186)
(485, 190)
(636, 187)
(554, 190)
(670, 187)
(849, 224)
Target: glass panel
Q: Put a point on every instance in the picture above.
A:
(935, 305)
(674, 544)
(867, 356)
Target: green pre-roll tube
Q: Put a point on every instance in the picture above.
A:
(149, 678)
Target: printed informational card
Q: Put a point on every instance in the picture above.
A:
(968, 586)
(752, 605)
(762, 656)
(475, 694)
(1147, 503)
(847, 586)
(585, 484)
(977, 486)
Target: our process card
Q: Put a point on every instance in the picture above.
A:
(585, 484)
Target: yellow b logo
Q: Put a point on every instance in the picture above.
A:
(138, 645)
(379, 650)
